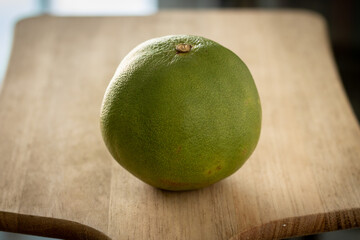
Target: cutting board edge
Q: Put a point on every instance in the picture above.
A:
(278, 229)
(304, 225)
(48, 227)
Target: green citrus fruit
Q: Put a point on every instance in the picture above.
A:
(181, 112)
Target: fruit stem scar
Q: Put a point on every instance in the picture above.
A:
(183, 48)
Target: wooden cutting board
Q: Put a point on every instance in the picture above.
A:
(58, 179)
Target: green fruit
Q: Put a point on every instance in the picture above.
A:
(181, 112)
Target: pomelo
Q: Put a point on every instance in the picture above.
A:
(181, 112)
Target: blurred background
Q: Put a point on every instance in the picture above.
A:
(342, 16)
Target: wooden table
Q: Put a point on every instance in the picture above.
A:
(58, 179)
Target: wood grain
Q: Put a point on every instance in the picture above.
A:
(57, 178)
